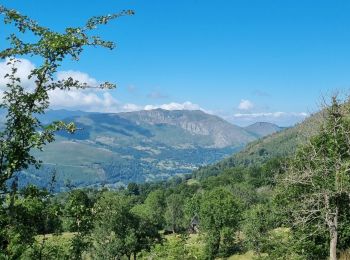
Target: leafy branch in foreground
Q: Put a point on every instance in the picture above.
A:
(23, 131)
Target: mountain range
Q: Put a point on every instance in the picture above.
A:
(113, 149)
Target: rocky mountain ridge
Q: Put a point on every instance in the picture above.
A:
(114, 149)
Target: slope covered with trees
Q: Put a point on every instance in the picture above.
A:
(280, 144)
(283, 207)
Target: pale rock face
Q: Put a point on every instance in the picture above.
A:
(195, 128)
(196, 122)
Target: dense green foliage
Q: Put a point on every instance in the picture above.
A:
(317, 182)
(128, 222)
(240, 209)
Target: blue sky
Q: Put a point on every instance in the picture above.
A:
(243, 60)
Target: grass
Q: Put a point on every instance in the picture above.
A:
(64, 235)
(194, 243)
(195, 246)
(51, 246)
(62, 240)
(247, 256)
(192, 182)
(345, 255)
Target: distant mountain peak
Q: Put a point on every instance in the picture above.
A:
(196, 122)
(263, 124)
(261, 129)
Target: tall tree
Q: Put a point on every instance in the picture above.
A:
(32, 213)
(219, 211)
(23, 130)
(317, 184)
(112, 226)
(122, 229)
(155, 206)
(174, 214)
(78, 209)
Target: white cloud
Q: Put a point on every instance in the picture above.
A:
(170, 106)
(245, 105)
(93, 100)
(175, 106)
(77, 75)
(86, 100)
(24, 68)
(279, 118)
(131, 107)
(270, 114)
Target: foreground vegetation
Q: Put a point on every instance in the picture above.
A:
(283, 208)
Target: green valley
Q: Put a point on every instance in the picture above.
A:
(114, 149)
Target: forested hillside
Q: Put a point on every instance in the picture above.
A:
(240, 206)
(278, 145)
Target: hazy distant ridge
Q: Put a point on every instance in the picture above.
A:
(117, 148)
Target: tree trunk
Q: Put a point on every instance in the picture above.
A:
(333, 229)
(333, 245)
(135, 255)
